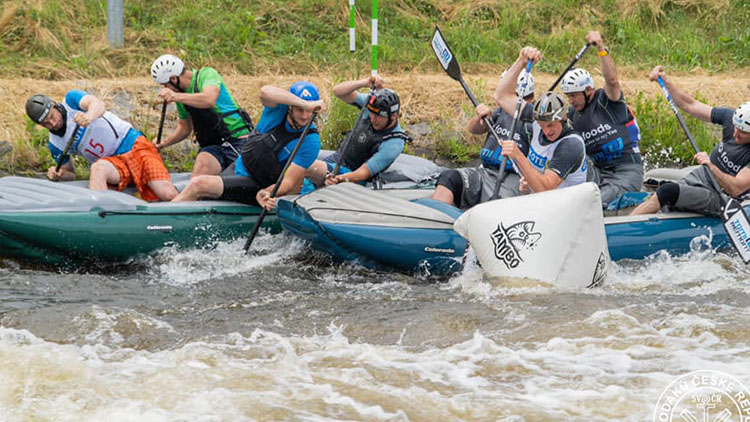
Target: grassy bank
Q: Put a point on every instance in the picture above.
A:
(63, 44)
(67, 39)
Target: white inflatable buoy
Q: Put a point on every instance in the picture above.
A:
(555, 237)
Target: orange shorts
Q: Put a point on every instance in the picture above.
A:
(140, 165)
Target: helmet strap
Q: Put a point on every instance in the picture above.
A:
(292, 122)
(175, 85)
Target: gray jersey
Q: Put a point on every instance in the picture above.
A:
(728, 155)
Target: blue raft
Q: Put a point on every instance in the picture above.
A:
(403, 229)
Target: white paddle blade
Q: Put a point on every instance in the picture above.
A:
(441, 50)
(445, 55)
(737, 227)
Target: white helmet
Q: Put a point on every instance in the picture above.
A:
(576, 80)
(741, 118)
(519, 84)
(165, 66)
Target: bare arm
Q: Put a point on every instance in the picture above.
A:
(271, 96)
(359, 175)
(292, 183)
(733, 185)
(609, 71)
(476, 124)
(505, 93)
(539, 182)
(67, 172)
(182, 131)
(347, 91)
(93, 108)
(681, 99)
(204, 99)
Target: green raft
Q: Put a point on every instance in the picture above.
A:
(68, 224)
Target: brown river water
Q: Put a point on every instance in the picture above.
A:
(286, 335)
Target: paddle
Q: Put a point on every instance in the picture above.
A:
(348, 139)
(279, 180)
(450, 64)
(733, 216)
(161, 121)
(516, 118)
(570, 66)
(67, 149)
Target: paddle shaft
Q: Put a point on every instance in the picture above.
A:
(516, 118)
(161, 121)
(276, 187)
(67, 149)
(570, 66)
(348, 139)
(501, 170)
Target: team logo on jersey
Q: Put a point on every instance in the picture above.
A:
(511, 241)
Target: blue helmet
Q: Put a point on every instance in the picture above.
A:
(305, 90)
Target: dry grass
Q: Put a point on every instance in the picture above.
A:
(426, 97)
(713, 9)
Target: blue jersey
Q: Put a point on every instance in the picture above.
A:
(308, 151)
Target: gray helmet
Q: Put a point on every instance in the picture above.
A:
(384, 102)
(550, 107)
(38, 107)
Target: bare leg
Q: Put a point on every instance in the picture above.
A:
(103, 173)
(650, 206)
(164, 189)
(201, 187)
(206, 163)
(443, 194)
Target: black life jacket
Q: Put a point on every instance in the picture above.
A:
(260, 150)
(209, 126)
(364, 143)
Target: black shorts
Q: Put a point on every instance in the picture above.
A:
(226, 153)
(240, 189)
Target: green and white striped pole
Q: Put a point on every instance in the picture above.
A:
(374, 37)
(351, 26)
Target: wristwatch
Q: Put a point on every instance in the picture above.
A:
(603, 53)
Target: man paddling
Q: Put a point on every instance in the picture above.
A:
(205, 106)
(556, 155)
(284, 115)
(729, 161)
(376, 140)
(466, 187)
(119, 154)
(608, 127)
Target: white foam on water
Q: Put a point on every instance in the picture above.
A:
(609, 366)
(188, 267)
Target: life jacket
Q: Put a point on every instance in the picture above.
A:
(260, 151)
(209, 126)
(364, 143)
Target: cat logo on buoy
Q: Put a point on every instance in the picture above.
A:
(509, 242)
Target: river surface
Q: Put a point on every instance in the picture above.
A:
(285, 335)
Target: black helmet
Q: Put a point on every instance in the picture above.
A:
(384, 102)
(550, 107)
(38, 107)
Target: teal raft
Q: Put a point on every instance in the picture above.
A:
(65, 223)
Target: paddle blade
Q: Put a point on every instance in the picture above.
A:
(445, 55)
(737, 227)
